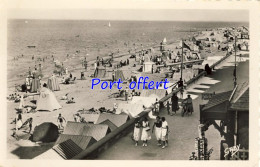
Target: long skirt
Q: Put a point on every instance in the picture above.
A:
(137, 134)
(158, 133)
(145, 135)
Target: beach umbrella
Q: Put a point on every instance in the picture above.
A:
(45, 132)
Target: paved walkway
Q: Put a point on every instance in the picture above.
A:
(183, 130)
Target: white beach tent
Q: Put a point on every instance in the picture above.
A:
(164, 40)
(147, 66)
(47, 100)
(146, 101)
(131, 109)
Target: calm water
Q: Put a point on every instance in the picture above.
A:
(92, 38)
(95, 37)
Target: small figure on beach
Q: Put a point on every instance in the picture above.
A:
(86, 65)
(60, 121)
(65, 97)
(18, 124)
(82, 76)
(95, 65)
(77, 117)
(126, 94)
(70, 101)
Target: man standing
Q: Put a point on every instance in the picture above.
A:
(126, 94)
(175, 105)
(86, 65)
(113, 76)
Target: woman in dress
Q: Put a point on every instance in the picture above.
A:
(18, 124)
(145, 132)
(19, 121)
(175, 105)
(165, 131)
(137, 132)
(158, 129)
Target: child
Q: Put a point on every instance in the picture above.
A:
(60, 121)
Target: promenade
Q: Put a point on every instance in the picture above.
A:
(183, 130)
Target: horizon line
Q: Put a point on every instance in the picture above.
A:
(56, 19)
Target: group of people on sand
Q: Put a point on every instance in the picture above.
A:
(142, 131)
(19, 124)
(14, 97)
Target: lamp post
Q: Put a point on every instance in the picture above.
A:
(181, 57)
(235, 69)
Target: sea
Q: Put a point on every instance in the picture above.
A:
(91, 38)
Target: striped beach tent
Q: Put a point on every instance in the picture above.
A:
(100, 72)
(53, 84)
(35, 85)
(119, 75)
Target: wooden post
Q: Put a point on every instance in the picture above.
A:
(235, 70)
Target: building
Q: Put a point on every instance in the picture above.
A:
(65, 150)
(232, 110)
(97, 131)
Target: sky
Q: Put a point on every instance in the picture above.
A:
(131, 14)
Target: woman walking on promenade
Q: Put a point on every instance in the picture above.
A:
(175, 105)
(165, 131)
(158, 129)
(137, 132)
(145, 132)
